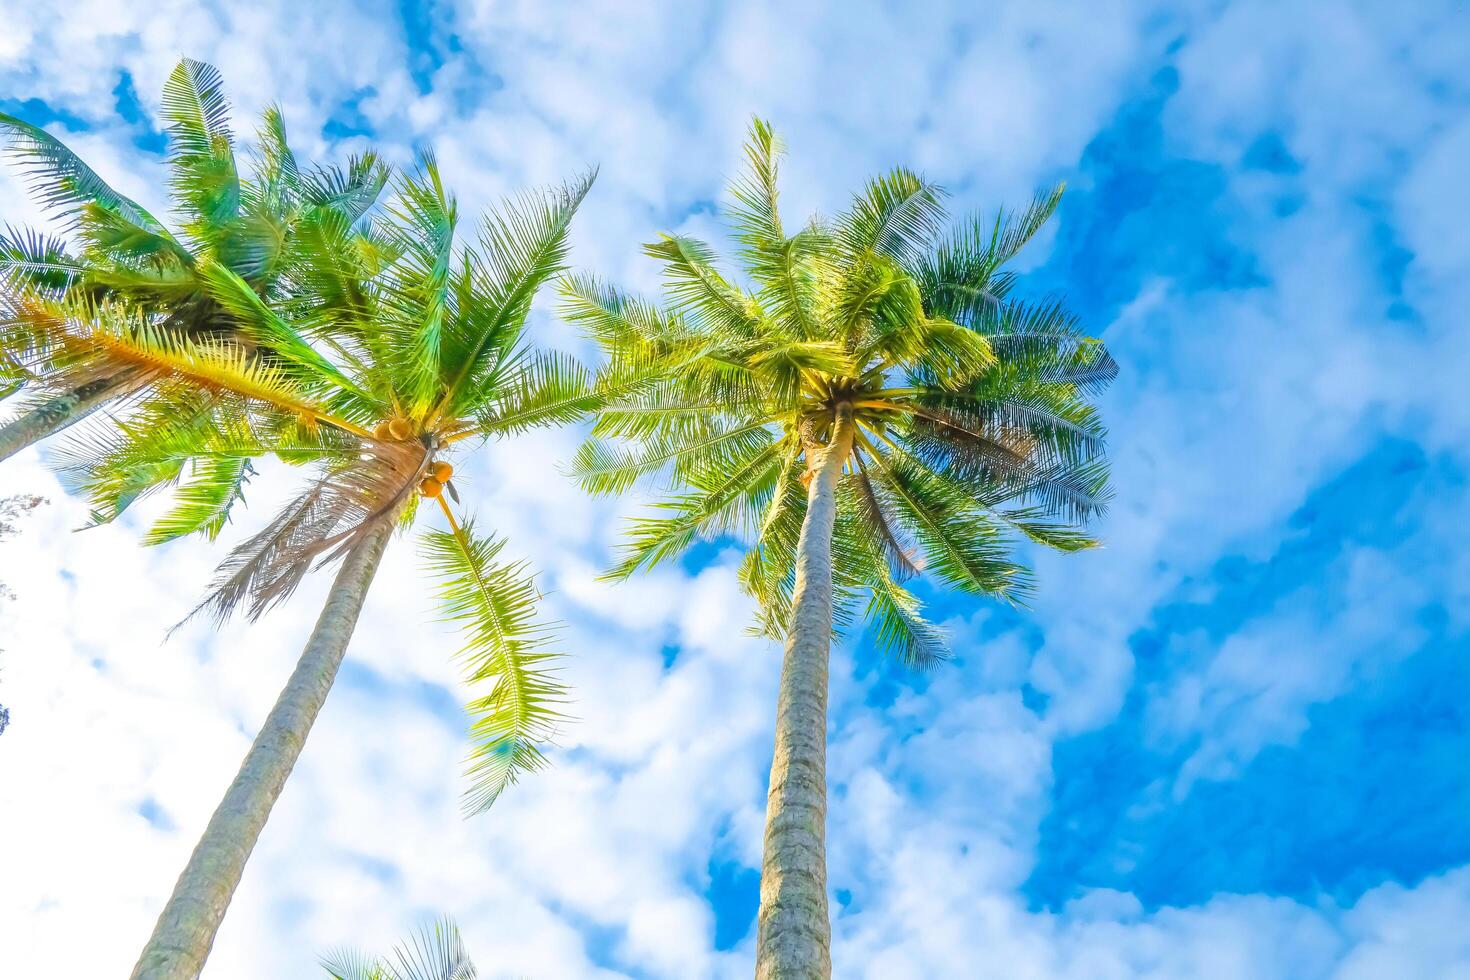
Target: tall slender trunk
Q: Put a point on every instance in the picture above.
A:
(187, 926)
(53, 416)
(795, 936)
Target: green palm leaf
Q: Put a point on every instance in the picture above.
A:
(436, 952)
(522, 247)
(548, 389)
(506, 648)
(201, 147)
(30, 260)
(203, 499)
(59, 178)
(897, 215)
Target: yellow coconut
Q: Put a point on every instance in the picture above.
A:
(442, 471)
(431, 487)
(399, 429)
(380, 432)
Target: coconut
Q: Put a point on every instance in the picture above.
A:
(380, 432)
(431, 487)
(399, 429)
(442, 471)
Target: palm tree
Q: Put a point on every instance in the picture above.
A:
(434, 953)
(872, 406)
(247, 223)
(394, 346)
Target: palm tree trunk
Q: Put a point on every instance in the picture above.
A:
(185, 931)
(53, 416)
(795, 937)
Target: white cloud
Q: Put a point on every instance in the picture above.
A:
(1230, 409)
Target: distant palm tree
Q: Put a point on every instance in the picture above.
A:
(877, 406)
(248, 224)
(394, 347)
(434, 953)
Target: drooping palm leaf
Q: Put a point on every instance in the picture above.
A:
(61, 181)
(506, 649)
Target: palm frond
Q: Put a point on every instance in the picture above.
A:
(603, 468)
(34, 261)
(960, 544)
(728, 493)
(104, 340)
(769, 569)
(697, 290)
(150, 446)
(113, 466)
(1078, 492)
(523, 245)
(204, 499)
(195, 107)
(436, 952)
(937, 352)
(1043, 341)
(350, 192)
(331, 270)
(755, 216)
(899, 626)
(415, 293)
(350, 964)
(125, 244)
(268, 329)
(879, 524)
(654, 411)
(898, 215)
(60, 180)
(351, 498)
(792, 274)
(205, 181)
(506, 648)
(549, 389)
(961, 278)
(278, 172)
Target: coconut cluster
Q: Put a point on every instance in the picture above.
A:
(439, 474)
(395, 428)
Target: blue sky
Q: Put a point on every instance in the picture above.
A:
(1229, 744)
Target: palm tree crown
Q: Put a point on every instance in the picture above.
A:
(246, 222)
(961, 416)
(393, 345)
(251, 224)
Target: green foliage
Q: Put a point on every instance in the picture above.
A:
(206, 183)
(974, 431)
(435, 952)
(36, 262)
(62, 183)
(290, 319)
(239, 244)
(494, 603)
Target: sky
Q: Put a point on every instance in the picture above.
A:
(1229, 744)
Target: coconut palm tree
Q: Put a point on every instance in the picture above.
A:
(434, 953)
(248, 223)
(871, 406)
(395, 346)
